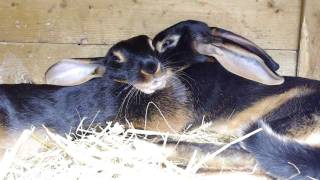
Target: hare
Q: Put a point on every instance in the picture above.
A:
(235, 84)
(119, 87)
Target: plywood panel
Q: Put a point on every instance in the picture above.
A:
(287, 61)
(34, 58)
(273, 24)
(309, 55)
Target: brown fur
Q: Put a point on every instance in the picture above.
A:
(307, 133)
(236, 123)
(170, 122)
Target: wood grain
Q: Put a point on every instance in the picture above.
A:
(309, 54)
(287, 61)
(272, 24)
(33, 59)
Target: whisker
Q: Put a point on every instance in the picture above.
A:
(184, 79)
(161, 114)
(137, 96)
(122, 104)
(124, 89)
(171, 55)
(128, 102)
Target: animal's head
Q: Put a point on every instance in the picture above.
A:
(178, 41)
(132, 61)
(190, 42)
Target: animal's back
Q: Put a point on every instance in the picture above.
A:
(59, 108)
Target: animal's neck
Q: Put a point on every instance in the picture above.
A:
(216, 90)
(134, 104)
(212, 79)
(220, 93)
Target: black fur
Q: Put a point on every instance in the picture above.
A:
(218, 94)
(192, 31)
(138, 54)
(283, 158)
(61, 108)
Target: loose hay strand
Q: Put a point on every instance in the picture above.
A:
(197, 166)
(111, 153)
(10, 154)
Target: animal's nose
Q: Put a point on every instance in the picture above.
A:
(150, 67)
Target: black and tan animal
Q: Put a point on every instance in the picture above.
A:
(140, 85)
(234, 83)
(130, 77)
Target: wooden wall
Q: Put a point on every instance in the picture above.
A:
(309, 51)
(37, 33)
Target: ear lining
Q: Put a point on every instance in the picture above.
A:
(241, 62)
(70, 72)
(228, 36)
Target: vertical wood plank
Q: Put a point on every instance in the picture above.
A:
(309, 53)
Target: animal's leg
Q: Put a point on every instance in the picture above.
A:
(232, 159)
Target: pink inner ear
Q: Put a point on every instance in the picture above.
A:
(207, 49)
(70, 72)
(245, 44)
(241, 62)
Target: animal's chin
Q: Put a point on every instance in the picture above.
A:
(153, 85)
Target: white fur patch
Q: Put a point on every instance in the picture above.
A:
(150, 44)
(174, 38)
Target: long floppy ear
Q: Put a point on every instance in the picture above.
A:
(230, 37)
(70, 72)
(240, 62)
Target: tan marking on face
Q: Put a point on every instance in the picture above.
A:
(241, 120)
(150, 44)
(158, 70)
(143, 72)
(148, 82)
(120, 56)
(159, 46)
(121, 81)
(156, 74)
(174, 122)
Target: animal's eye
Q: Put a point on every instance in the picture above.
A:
(167, 43)
(117, 56)
(114, 58)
